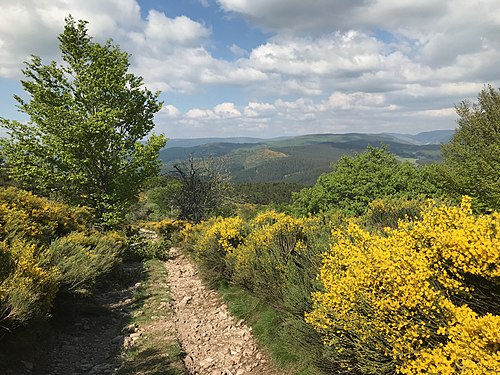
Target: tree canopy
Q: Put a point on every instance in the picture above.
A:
(87, 117)
(472, 158)
(357, 180)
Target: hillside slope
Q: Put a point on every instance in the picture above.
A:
(300, 159)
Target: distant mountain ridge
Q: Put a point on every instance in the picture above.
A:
(429, 137)
(193, 142)
(299, 159)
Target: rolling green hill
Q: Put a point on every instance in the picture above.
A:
(299, 159)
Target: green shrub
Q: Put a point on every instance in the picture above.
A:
(82, 258)
(275, 242)
(160, 249)
(387, 212)
(140, 248)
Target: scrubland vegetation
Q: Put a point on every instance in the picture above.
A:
(47, 248)
(381, 267)
(419, 298)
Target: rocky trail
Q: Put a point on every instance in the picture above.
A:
(215, 342)
(129, 329)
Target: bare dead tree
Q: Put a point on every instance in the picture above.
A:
(206, 188)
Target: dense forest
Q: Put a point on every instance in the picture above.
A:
(300, 159)
(368, 255)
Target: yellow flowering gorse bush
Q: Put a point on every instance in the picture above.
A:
(27, 288)
(23, 214)
(32, 267)
(261, 263)
(472, 347)
(387, 298)
(254, 253)
(456, 242)
(225, 233)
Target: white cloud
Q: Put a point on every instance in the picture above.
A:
(226, 111)
(180, 31)
(255, 109)
(225, 72)
(358, 100)
(458, 37)
(237, 50)
(170, 111)
(221, 111)
(200, 114)
(331, 55)
(443, 112)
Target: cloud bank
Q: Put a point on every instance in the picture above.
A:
(328, 66)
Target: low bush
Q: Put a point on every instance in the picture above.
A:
(27, 289)
(152, 239)
(274, 245)
(82, 258)
(167, 229)
(140, 247)
(219, 237)
(404, 302)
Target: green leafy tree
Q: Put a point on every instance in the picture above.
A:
(87, 116)
(4, 174)
(471, 163)
(357, 180)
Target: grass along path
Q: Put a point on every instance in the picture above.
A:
(150, 345)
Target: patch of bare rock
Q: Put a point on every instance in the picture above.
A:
(214, 341)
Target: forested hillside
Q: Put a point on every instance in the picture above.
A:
(300, 159)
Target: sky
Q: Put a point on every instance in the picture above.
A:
(269, 68)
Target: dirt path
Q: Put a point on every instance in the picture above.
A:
(84, 335)
(94, 335)
(214, 341)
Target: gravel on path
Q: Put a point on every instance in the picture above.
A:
(214, 341)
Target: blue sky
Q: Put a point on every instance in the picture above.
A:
(267, 68)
